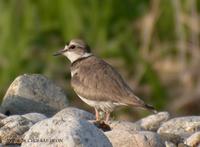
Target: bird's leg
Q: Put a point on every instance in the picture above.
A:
(107, 117)
(96, 114)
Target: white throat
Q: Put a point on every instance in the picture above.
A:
(73, 56)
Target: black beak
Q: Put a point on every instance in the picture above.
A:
(60, 52)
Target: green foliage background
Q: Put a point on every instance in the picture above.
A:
(31, 30)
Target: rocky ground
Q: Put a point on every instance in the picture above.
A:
(35, 112)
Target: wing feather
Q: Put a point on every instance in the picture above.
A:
(96, 79)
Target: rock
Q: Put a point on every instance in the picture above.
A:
(124, 125)
(12, 129)
(181, 126)
(153, 122)
(193, 140)
(2, 116)
(183, 145)
(75, 112)
(65, 131)
(33, 93)
(35, 117)
(122, 138)
(1, 145)
(176, 139)
(169, 144)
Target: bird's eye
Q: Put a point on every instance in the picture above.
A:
(72, 46)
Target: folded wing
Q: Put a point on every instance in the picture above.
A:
(99, 80)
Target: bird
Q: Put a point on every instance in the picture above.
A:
(96, 82)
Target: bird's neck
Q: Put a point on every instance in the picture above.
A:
(77, 63)
(80, 58)
(73, 57)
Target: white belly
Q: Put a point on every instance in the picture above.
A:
(106, 106)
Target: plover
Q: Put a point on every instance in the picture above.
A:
(96, 82)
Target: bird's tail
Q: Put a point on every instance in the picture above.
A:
(150, 108)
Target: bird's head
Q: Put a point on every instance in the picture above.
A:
(74, 50)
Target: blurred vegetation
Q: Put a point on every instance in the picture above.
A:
(153, 44)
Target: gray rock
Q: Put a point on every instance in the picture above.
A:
(169, 144)
(75, 112)
(33, 93)
(121, 138)
(35, 117)
(193, 140)
(12, 129)
(2, 116)
(176, 139)
(1, 145)
(153, 122)
(181, 126)
(183, 145)
(65, 131)
(124, 125)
